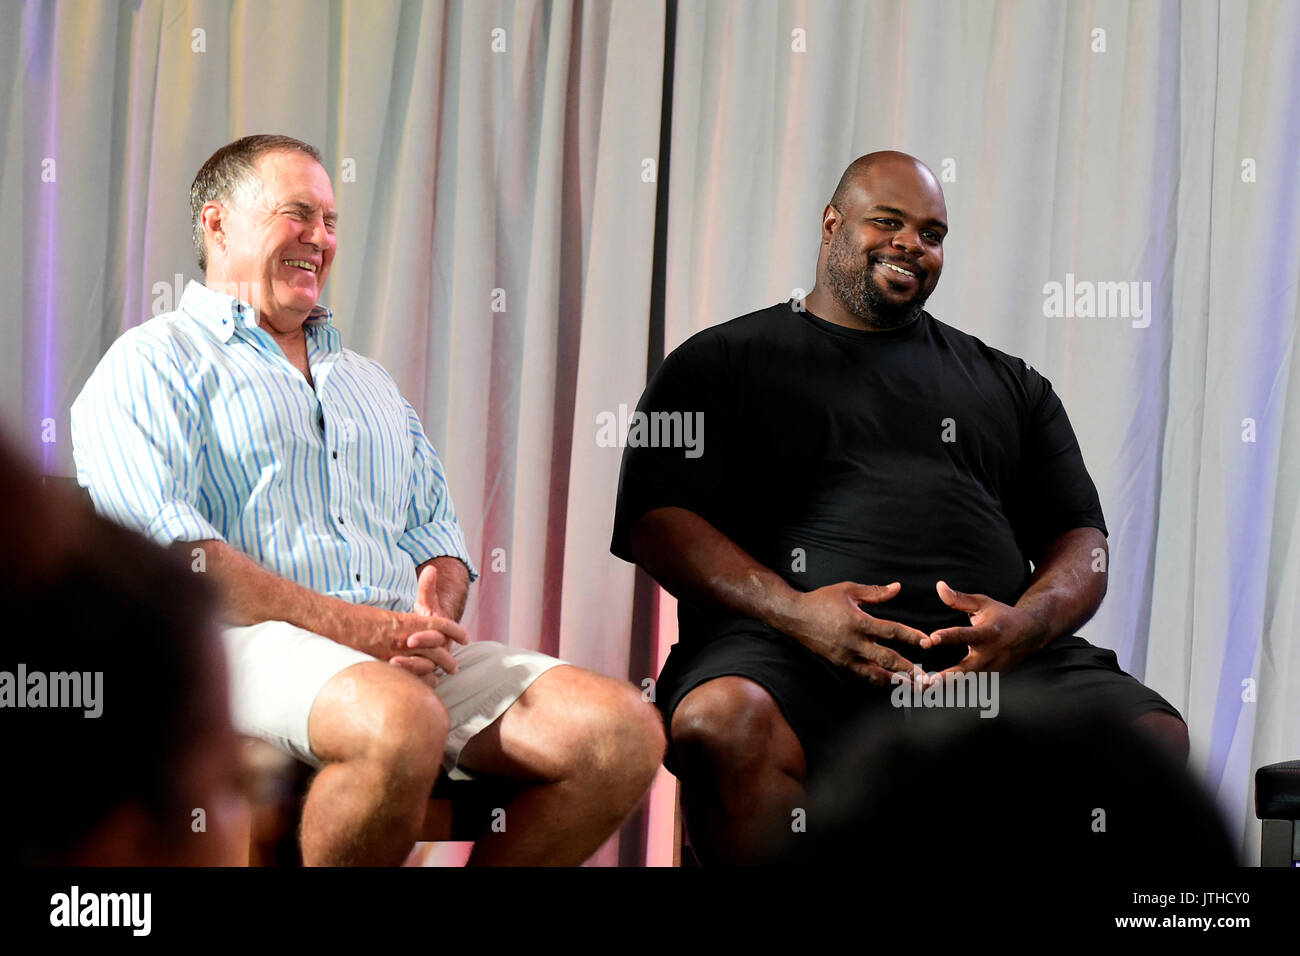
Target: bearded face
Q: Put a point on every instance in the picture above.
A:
(872, 284)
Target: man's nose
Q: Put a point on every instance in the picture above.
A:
(908, 240)
(316, 234)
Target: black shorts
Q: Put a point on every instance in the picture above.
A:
(820, 699)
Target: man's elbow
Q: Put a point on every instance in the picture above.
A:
(649, 536)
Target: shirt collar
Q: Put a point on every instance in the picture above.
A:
(220, 313)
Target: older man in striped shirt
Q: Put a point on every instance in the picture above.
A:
(239, 424)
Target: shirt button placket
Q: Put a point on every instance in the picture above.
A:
(344, 440)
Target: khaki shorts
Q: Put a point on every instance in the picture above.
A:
(277, 669)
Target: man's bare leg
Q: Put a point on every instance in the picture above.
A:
(742, 770)
(588, 745)
(381, 732)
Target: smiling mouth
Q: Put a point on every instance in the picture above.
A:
(300, 264)
(899, 269)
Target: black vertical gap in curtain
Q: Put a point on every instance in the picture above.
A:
(642, 660)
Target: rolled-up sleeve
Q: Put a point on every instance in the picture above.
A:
(136, 436)
(432, 530)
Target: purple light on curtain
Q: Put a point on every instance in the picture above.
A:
(41, 103)
(50, 354)
(1263, 481)
(1245, 628)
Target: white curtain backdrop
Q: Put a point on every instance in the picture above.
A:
(496, 170)
(1121, 163)
(485, 155)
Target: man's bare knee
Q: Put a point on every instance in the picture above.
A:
(617, 743)
(635, 742)
(378, 712)
(733, 722)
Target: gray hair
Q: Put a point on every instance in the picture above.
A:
(231, 168)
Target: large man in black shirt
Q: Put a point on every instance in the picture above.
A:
(858, 457)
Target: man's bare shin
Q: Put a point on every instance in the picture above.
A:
(381, 733)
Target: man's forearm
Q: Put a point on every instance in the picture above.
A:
(252, 594)
(696, 562)
(1065, 590)
(453, 584)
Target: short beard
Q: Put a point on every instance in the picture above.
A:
(856, 291)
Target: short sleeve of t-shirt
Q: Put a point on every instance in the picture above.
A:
(675, 454)
(1055, 493)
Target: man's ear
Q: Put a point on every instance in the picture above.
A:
(831, 221)
(213, 218)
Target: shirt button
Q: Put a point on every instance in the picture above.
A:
(336, 454)
(340, 519)
(358, 577)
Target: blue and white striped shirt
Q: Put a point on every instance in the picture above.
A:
(195, 425)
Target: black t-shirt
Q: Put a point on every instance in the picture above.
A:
(829, 454)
